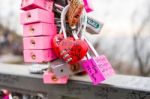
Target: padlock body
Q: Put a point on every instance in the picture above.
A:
(39, 29)
(98, 68)
(61, 69)
(36, 16)
(39, 56)
(50, 78)
(32, 4)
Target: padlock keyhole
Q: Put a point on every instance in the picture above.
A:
(62, 70)
(54, 78)
(32, 42)
(33, 57)
(32, 29)
(28, 15)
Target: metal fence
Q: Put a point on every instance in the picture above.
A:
(16, 78)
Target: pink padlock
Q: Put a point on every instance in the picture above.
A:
(98, 68)
(39, 56)
(88, 5)
(50, 78)
(41, 42)
(36, 16)
(32, 4)
(104, 66)
(39, 29)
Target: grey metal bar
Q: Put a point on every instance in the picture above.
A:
(17, 78)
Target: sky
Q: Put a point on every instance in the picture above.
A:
(118, 16)
(115, 14)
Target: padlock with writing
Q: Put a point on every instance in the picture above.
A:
(56, 43)
(98, 67)
(76, 49)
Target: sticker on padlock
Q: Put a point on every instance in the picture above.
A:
(74, 12)
(93, 26)
(61, 69)
(98, 68)
(36, 16)
(39, 29)
(88, 5)
(37, 42)
(39, 56)
(32, 4)
(76, 48)
(50, 78)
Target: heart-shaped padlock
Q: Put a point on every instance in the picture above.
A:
(56, 42)
(71, 50)
(76, 49)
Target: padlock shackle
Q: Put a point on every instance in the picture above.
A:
(91, 47)
(63, 14)
(84, 25)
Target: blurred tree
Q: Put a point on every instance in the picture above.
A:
(140, 49)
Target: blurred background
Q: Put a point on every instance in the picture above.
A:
(124, 38)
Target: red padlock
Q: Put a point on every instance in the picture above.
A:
(72, 51)
(76, 49)
(56, 42)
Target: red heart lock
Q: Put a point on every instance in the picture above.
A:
(76, 49)
(56, 42)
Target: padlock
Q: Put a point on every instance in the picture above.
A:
(51, 78)
(76, 49)
(88, 5)
(74, 12)
(61, 69)
(32, 4)
(98, 67)
(36, 16)
(56, 43)
(39, 56)
(39, 29)
(38, 68)
(93, 26)
(37, 42)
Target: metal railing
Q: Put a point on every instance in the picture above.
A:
(16, 78)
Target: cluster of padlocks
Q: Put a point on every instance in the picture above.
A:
(55, 41)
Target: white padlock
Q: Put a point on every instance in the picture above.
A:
(61, 69)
